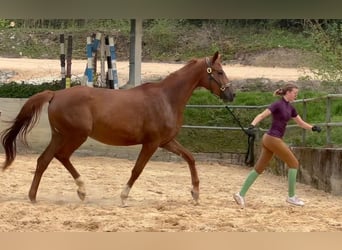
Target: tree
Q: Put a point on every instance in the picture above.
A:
(327, 37)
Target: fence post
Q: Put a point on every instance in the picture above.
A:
(304, 117)
(328, 119)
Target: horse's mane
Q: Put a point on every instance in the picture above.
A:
(172, 74)
(188, 64)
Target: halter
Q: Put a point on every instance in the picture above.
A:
(211, 77)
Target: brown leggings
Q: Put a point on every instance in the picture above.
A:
(272, 145)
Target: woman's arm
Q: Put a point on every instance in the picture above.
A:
(302, 123)
(260, 117)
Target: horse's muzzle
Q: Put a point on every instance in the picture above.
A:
(227, 96)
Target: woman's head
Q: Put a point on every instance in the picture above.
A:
(289, 91)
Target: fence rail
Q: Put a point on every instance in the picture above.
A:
(327, 123)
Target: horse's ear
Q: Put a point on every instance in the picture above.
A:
(215, 57)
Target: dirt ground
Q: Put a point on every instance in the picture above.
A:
(36, 69)
(160, 200)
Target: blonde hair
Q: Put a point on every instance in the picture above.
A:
(283, 90)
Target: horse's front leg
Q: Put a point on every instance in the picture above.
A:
(145, 154)
(176, 148)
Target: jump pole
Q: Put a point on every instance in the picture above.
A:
(113, 82)
(113, 58)
(89, 69)
(92, 47)
(95, 48)
(69, 56)
(109, 65)
(62, 58)
(103, 60)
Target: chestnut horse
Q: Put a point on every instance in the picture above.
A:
(150, 114)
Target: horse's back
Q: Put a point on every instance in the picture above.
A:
(117, 117)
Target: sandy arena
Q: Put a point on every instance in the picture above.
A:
(160, 200)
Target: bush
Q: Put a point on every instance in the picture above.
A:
(17, 90)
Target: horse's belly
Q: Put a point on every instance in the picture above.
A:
(115, 138)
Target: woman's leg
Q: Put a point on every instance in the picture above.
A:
(285, 154)
(292, 177)
(259, 167)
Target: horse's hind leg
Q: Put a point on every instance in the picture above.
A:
(145, 154)
(63, 155)
(42, 164)
(176, 148)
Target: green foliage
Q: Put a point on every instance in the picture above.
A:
(15, 90)
(327, 40)
(4, 23)
(163, 39)
(161, 35)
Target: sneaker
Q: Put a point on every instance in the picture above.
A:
(239, 200)
(295, 201)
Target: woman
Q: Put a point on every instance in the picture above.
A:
(282, 111)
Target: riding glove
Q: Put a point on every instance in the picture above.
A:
(251, 130)
(316, 128)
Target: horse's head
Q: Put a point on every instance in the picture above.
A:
(216, 80)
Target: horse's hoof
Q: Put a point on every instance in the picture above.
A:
(81, 195)
(195, 196)
(124, 195)
(123, 203)
(33, 200)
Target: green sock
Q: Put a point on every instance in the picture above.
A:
(292, 176)
(248, 182)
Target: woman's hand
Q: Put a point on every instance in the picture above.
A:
(316, 128)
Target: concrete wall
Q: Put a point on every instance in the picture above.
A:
(319, 167)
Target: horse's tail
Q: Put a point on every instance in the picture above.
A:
(22, 124)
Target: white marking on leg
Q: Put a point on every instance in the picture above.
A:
(81, 188)
(124, 195)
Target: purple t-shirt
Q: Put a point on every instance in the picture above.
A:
(282, 111)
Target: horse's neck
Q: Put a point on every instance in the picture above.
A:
(180, 85)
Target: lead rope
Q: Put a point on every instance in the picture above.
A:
(249, 158)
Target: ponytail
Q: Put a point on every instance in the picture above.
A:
(283, 90)
(279, 92)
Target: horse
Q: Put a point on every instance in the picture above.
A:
(150, 114)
